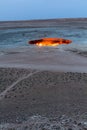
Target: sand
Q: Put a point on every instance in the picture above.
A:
(43, 58)
(37, 87)
(26, 93)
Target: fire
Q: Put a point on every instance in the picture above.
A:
(46, 44)
(50, 41)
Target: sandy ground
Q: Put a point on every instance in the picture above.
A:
(46, 58)
(40, 23)
(55, 85)
(45, 93)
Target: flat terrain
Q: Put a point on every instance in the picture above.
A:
(41, 23)
(30, 92)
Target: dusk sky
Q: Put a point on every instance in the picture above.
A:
(42, 9)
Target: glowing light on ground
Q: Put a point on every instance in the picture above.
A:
(50, 42)
(47, 44)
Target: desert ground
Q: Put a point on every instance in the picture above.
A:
(41, 92)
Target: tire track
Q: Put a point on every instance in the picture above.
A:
(2, 95)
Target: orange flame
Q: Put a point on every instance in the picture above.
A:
(46, 44)
(50, 41)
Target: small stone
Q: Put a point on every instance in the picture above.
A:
(79, 124)
(69, 128)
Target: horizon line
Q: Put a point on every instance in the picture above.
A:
(43, 19)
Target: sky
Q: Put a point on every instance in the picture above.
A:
(41, 9)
